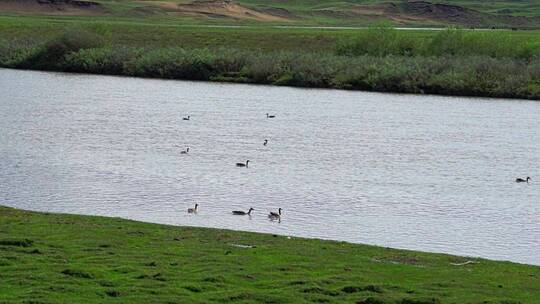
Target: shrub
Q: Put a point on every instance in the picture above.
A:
(101, 60)
(381, 40)
(174, 63)
(384, 41)
(14, 52)
(51, 55)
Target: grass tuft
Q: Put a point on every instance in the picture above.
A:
(77, 273)
(17, 243)
(354, 289)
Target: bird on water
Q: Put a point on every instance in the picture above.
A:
(185, 152)
(236, 212)
(275, 215)
(265, 142)
(193, 210)
(270, 116)
(186, 118)
(521, 180)
(242, 164)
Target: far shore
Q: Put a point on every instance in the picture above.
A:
(450, 62)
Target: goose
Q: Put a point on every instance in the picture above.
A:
(265, 142)
(521, 180)
(186, 118)
(193, 210)
(242, 164)
(274, 215)
(185, 152)
(243, 212)
(270, 116)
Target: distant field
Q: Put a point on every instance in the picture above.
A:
(163, 33)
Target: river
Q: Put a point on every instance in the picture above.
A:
(418, 172)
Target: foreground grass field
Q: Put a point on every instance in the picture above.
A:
(53, 258)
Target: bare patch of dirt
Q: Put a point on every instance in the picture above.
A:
(219, 9)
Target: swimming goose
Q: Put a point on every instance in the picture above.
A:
(243, 212)
(185, 152)
(242, 164)
(186, 118)
(274, 215)
(265, 142)
(270, 116)
(521, 180)
(193, 210)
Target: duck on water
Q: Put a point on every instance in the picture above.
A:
(242, 164)
(237, 212)
(193, 210)
(275, 215)
(521, 180)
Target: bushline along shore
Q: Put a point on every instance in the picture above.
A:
(502, 64)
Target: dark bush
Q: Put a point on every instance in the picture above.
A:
(50, 56)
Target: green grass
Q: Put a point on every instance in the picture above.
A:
(162, 33)
(140, 33)
(54, 258)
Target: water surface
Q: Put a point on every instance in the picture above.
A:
(418, 172)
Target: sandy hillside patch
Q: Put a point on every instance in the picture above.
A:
(219, 9)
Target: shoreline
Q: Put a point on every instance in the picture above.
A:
(241, 81)
(54, 257)
(493, 64)
(266, 233)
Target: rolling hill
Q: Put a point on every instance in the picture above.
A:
(468, 13)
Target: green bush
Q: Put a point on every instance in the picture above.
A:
(50, 55)
(453, 42)
(384, 41)
(174, 63)
(14, 52)
(381, 40)
(100, 61)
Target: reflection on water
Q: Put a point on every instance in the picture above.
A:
(418, 172)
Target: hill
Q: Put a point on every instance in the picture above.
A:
(468, 13)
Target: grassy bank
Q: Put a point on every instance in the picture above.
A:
(451, 62)
(51, 258)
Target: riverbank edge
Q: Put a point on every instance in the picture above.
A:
(54, 257)
(242, 80)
